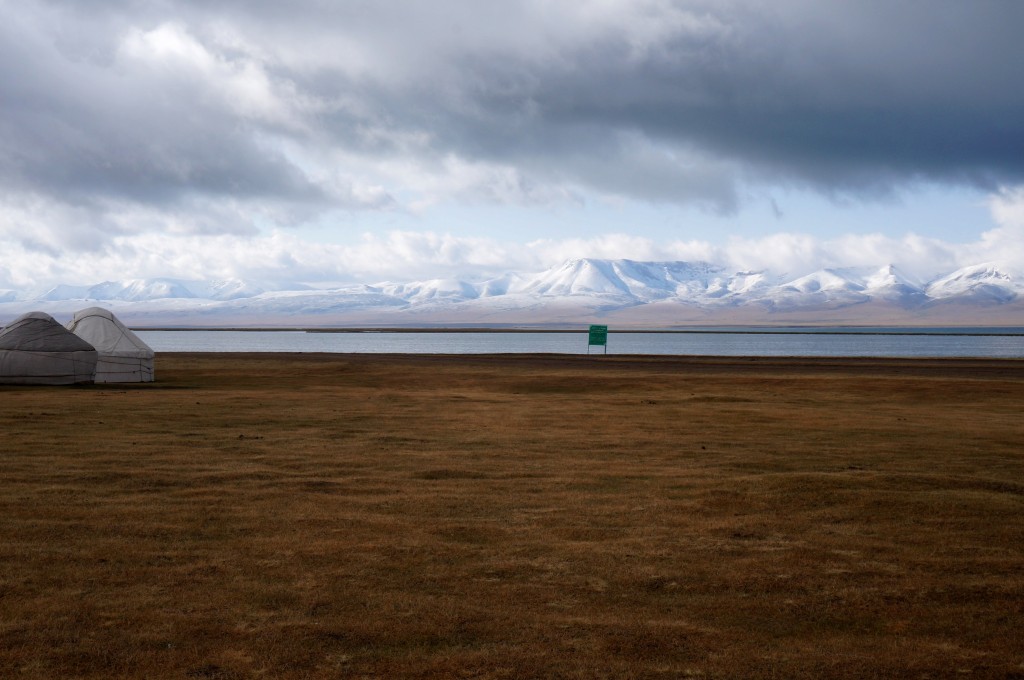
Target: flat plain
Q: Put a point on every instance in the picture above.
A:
(319, 516)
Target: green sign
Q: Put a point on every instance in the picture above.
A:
(598, 336)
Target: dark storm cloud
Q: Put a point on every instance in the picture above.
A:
(686, 102)
(842, 96)
(836, 94)
(849, 98)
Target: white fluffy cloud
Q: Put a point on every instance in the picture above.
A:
(240, 83)
(283, 257)
(1007, 208)
(1005, 243)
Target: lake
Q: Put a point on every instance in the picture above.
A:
(809, 342)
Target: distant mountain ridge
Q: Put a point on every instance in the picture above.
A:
(154, 289)
(625, 291)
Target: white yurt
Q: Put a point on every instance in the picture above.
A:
(123, 356)
(36, 350)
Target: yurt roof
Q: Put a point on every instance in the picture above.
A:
(39, 332)
(107, 334)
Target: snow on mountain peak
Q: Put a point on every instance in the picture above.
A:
(985, 282)
(824, 280)
(65, 292)
(602, 286)
(434, 289)
(139, 289)
(228, 289)
(888, 275)
(578, 276)
(643, 281)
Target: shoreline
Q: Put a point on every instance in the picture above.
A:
(997, 331)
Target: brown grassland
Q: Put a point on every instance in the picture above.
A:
(319, 516)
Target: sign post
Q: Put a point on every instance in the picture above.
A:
(598, 336)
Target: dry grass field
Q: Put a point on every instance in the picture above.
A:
(321, 516)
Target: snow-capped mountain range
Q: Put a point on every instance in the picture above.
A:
(624, 292)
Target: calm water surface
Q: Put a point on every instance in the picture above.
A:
(865, 342)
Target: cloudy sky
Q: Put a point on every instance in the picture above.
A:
(364, 140)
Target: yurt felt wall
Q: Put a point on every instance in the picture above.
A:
(36, 350)
(123, 356)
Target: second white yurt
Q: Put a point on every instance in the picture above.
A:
(123, 356)
(36, 350)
